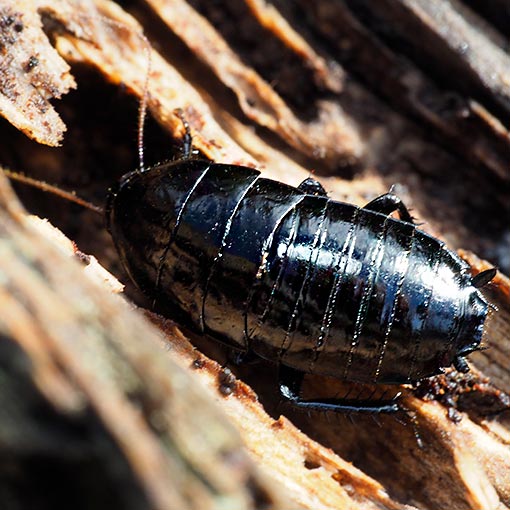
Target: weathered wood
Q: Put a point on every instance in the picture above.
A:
(449, 40)
(467, 127)
(327, 135)
(464, 464)
(31, 74)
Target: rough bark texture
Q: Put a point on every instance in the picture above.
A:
(101, 408)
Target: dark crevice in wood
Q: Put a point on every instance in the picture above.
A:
(436, 49)
(460, 126)
(497, 12)
(259, 49)
(56, 460)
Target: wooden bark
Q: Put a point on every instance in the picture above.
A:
(101, 407)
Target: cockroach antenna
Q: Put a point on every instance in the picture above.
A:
(44, 186)
(142, 113)
(142, 110)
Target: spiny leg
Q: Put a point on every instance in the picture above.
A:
(291, 380)
(388, 203)
(187, 139)
(461, 365)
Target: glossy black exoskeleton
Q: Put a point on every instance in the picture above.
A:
(314, 285)
(288, 275)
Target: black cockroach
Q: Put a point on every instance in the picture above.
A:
(315, 285)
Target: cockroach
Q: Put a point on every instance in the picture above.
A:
(314, 285)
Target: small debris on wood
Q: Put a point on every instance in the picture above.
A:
(370, 125)
(31, 73)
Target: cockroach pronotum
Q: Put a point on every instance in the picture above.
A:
(314, 285)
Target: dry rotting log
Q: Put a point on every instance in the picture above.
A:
(72, 393)
(469, 128)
